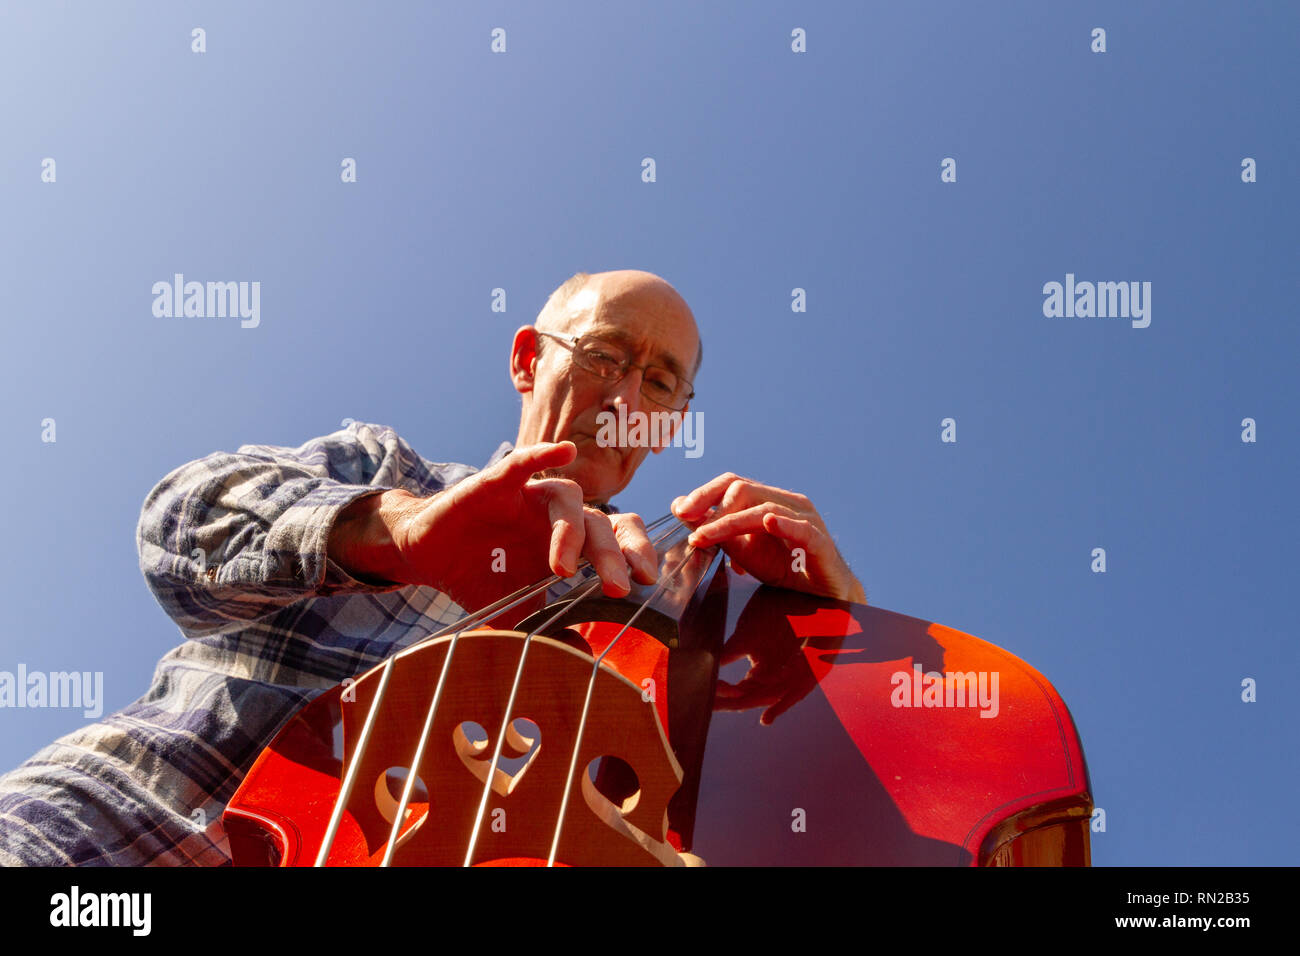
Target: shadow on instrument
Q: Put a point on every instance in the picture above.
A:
(740, 724)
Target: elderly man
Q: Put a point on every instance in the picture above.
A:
(292, 569)
(644, 337)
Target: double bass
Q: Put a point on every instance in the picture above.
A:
(607, 731)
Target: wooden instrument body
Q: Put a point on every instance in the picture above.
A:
(869, 762)
(934, 783)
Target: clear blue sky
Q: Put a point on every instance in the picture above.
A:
(775, 170)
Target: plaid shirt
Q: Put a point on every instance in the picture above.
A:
(234, 549)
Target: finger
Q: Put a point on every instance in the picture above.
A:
(793, 532)
(635, 542)
(749, 521)
(696, 504)
(734, 650)
(522, 463)
(731, 493)
(741, 697)
(568, 524)
(726, 691)
(603, 551)
(779, 708)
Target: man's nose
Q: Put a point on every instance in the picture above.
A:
(627, 391)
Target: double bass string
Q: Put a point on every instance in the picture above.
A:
(349, 779)
(587, 589)
(462, 624)
(526, 592)
(510, 601)
(586, 704)
(476, 828)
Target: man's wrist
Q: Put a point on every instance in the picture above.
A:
(364, 539)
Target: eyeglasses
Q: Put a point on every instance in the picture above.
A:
(612, 363)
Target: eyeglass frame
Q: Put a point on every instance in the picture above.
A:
(572, 341)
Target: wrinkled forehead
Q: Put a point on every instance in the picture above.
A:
(653, 330)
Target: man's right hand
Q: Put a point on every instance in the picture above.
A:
(492, 533)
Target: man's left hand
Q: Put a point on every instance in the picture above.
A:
(759, 527)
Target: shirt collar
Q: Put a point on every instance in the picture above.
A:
(504, 449)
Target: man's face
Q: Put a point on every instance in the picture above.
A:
(562, 401)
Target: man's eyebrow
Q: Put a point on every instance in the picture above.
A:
(672, 365)
(624, 338)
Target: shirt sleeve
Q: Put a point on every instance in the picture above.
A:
(232, 538)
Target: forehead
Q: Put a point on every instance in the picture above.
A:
(660, 335)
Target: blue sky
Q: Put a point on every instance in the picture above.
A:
(775, 170)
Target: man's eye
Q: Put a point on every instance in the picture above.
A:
(661, 385)
(603, 359)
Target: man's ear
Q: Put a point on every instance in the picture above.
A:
(523, 359)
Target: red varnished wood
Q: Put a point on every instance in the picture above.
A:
(840, 775)
(291, 790)
(877, 783)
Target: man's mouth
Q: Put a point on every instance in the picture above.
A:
(582, 438)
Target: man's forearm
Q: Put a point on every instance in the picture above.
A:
(363, 540)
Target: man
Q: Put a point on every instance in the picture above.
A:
(291, 569)
(399, 537)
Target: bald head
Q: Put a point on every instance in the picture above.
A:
(642, 314)
(630, 293)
